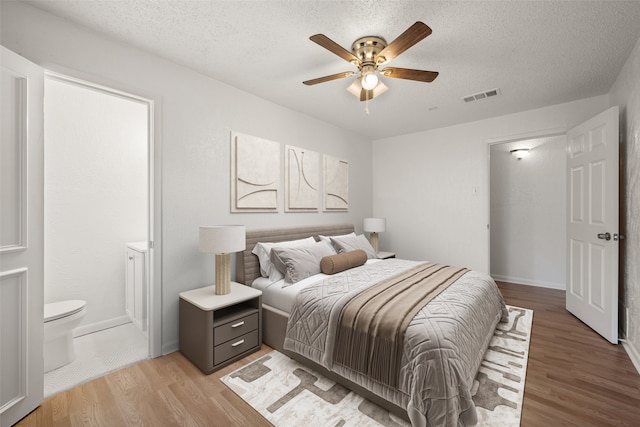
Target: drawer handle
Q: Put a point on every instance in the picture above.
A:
(238, 324)
(235, 344)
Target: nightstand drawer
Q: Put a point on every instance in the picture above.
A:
(234, 347)
(234, 329)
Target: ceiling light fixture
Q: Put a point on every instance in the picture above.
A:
(369, 78)
(356, 89)
(520, 153)
(367, 54)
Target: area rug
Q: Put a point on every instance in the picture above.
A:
(289, 394)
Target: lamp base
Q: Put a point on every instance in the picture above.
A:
(374, 240)
(223, 274)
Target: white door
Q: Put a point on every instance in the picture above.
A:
(592, 223)
(21, 237)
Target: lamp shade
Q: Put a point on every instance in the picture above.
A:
(375, 225)
(222, 239)
(356, 89)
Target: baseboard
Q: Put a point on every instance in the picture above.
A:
(170, 348)
(521, 281)
(633, 353)
(99, 326)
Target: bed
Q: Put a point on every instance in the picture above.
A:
(441, 352)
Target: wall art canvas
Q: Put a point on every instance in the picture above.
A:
(255, 174)
(336, 184)
(302, 179)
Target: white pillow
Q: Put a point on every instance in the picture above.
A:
(351, 243)
(263, 251)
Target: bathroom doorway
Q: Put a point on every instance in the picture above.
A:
(98, 203)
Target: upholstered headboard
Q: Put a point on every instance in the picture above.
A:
(247, 265)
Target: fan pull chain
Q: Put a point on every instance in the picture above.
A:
(366, 106)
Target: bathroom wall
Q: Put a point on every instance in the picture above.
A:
(95, 197)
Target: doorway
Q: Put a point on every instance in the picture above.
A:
(97, 194)
(528, 211)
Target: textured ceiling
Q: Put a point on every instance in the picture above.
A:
(537, 53)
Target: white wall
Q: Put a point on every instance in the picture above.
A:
(95, 196)
(626, 94)
(195, 115)
(424, 182)
(528, 219)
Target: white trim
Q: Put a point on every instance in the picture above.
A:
(99, 326)
(521, 281)
(170, 347)
(20, 184)
(20, 391)
(633, 353)
(543, 133)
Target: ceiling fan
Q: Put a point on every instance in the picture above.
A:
(368, 54)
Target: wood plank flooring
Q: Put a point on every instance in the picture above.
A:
(574, 378)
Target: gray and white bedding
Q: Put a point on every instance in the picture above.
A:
(281, 295)
(442, 349)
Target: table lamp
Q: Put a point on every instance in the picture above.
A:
(222, 240)
(375, 226)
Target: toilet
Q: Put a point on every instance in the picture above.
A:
(60, 319)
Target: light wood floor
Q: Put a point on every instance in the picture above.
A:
(574, 378)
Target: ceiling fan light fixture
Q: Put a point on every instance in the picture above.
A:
(356, 89)
(370, 81)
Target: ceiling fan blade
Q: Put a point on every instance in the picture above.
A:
(409, 74)
(411, 36)
(329, 78)
(334, 47)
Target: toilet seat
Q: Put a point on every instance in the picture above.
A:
(60, 309)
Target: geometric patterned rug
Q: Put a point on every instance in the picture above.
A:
(287, 393)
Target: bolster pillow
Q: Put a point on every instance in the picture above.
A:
(336, 263)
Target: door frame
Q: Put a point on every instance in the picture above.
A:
(154, 190)
(543, 133)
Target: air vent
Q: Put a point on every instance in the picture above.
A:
(481, 95)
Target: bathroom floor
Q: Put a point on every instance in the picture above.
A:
(98, 354)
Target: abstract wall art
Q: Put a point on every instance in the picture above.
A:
(302, 179)
(336, 184)
(255, 174)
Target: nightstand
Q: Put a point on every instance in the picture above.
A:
(386, 255)
(216, 330)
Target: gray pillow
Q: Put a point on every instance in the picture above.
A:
(300, 262)
(352, 243)
(328, 238)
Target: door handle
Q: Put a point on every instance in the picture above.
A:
(604, 236)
